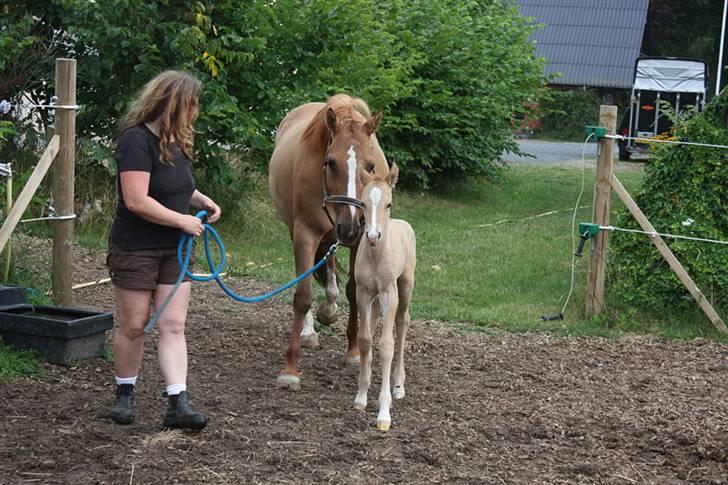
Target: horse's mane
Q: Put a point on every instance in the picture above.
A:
(347, 108)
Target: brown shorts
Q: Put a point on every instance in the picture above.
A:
(143, 269)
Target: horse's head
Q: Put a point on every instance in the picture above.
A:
(350, 152)
(376, 200)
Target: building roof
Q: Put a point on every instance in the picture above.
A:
(588, 42)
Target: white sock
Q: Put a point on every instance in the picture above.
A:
(174, 389)
(125, 380)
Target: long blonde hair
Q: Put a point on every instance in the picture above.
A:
(169, 97)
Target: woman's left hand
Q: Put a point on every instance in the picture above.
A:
(213, 210)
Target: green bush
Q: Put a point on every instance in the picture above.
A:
(564, 114)
(685, 192)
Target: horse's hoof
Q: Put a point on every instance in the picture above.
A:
(398, 392)
(383, 425)
(360, 404)
(327, 315)
(293, 383)
(311, 340)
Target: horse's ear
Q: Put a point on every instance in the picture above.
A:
(372, 124)
(393, 175)
(331, 120)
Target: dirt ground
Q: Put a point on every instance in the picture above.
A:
(481, 407)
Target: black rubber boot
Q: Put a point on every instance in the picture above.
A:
(123, 410)
(181, 415)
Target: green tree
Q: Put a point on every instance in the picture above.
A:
(473, 71)
(449, 75)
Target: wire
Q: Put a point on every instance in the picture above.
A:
(6, 106)
(573, 223)
(543, 214)
(50, 106)
(654, 140)
(50, 218)
(673, 236)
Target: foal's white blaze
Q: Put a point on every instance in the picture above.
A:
(376, 197)
(351, 186)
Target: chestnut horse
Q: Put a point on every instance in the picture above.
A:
(320, 149)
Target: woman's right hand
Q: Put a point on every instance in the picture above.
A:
(191, 225)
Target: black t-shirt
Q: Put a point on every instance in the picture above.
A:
(171, 185)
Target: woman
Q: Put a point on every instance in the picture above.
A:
(156, 192)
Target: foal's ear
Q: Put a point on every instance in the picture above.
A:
(364, 177)
(331, 120)
(393, 175)
(372, 124)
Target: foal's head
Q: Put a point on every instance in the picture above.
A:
(350, 151)
(377, 201)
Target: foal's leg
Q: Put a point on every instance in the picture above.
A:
(389, 301)
(366, 320)
(304, 248)
(402, 321)
(352, 327)
(327, 310)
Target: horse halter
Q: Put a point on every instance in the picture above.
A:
(335, 199)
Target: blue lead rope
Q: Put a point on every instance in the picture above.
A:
(184, 252)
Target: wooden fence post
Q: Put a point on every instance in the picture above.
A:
(63, 182)
(600, 213)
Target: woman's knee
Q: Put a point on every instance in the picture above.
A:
(132, 330)
(171, 326)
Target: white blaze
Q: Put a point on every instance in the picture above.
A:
(351, 186)
(376, 196)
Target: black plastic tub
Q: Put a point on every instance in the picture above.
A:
(12, 295)
(60, 335)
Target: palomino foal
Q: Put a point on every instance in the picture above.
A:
(385, 271)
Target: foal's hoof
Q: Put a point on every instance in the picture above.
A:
(293, 383)
(398, 392)
(327, 315)
(311, 340)
(383, 425)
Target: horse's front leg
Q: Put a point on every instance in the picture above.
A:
(388, 301)
(327, 312)
(304, 251)
(352, 327)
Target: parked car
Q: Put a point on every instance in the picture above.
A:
(680, 82)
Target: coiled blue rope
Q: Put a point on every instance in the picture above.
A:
(184, 252)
